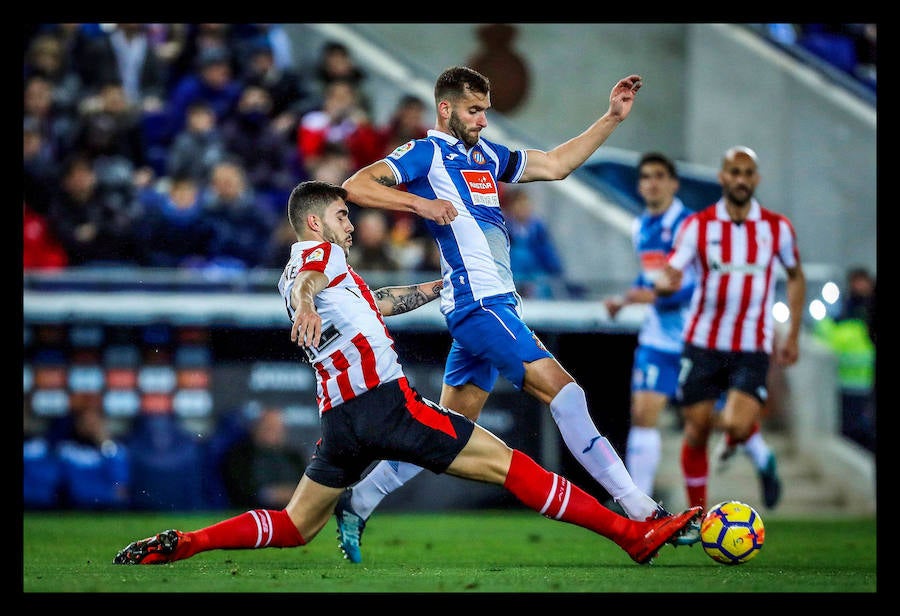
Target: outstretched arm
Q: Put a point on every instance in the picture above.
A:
(397, 300)
(562, 160)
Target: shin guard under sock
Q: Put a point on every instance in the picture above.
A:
(557, 498)
(257, 528)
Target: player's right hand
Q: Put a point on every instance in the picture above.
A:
(613, 305)
(441, 211)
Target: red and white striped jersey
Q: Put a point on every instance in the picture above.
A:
(731, 309)
(360, 355)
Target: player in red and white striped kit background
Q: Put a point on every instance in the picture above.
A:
(729, 332)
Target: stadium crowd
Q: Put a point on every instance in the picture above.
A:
(176, 145)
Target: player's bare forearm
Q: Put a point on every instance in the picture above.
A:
(640, 295)
(397, 300)
(668, 281)
(373, 186)
(562, 160)
(307, 326)
(796, 296)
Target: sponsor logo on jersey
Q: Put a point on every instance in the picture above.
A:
(482, 188)
(652, 261)
(401, 150)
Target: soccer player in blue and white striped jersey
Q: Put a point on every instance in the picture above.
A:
(451, 178)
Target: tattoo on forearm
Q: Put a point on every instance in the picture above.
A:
(386, 180)
(402, 299)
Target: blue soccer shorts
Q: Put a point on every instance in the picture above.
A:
(656, 371)
(490, 338)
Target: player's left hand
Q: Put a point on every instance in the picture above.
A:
(787, 353)
(307, 328)
(622, 96)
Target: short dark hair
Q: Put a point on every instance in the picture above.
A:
(311, 197)
(659, 158)
(453, 83)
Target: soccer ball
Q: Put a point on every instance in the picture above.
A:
(732, 533)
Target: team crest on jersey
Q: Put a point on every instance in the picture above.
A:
(401, 150)
(478, 157)
(316, 255)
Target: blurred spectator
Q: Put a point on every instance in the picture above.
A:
(57, 127)
(47, 58)
(277, 40)
(852, 339)
(93, 223)
(371, 241)
(289, 95)
(212, 82)
(126, 55)
(241, 226)
(536, 265)
(109, 131)
(336, 63)
(860, 301)
(335, 165)
(194, 39)
(174, 230)
(268, 158)
(341, 119)
(199, 147)
(406, 123)
(263, 469)
(39, 167)
(95, 469)
(167, 41)
(40, 248)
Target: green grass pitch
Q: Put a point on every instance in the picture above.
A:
(508, 551)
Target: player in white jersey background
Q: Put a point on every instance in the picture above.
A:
(368, 409)
(729, 335)
(654, 380)
(451, 179)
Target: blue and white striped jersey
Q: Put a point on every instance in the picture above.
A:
(475, 246)
(653, 237)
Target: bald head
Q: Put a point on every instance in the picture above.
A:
(739, 150)
(739, 176)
